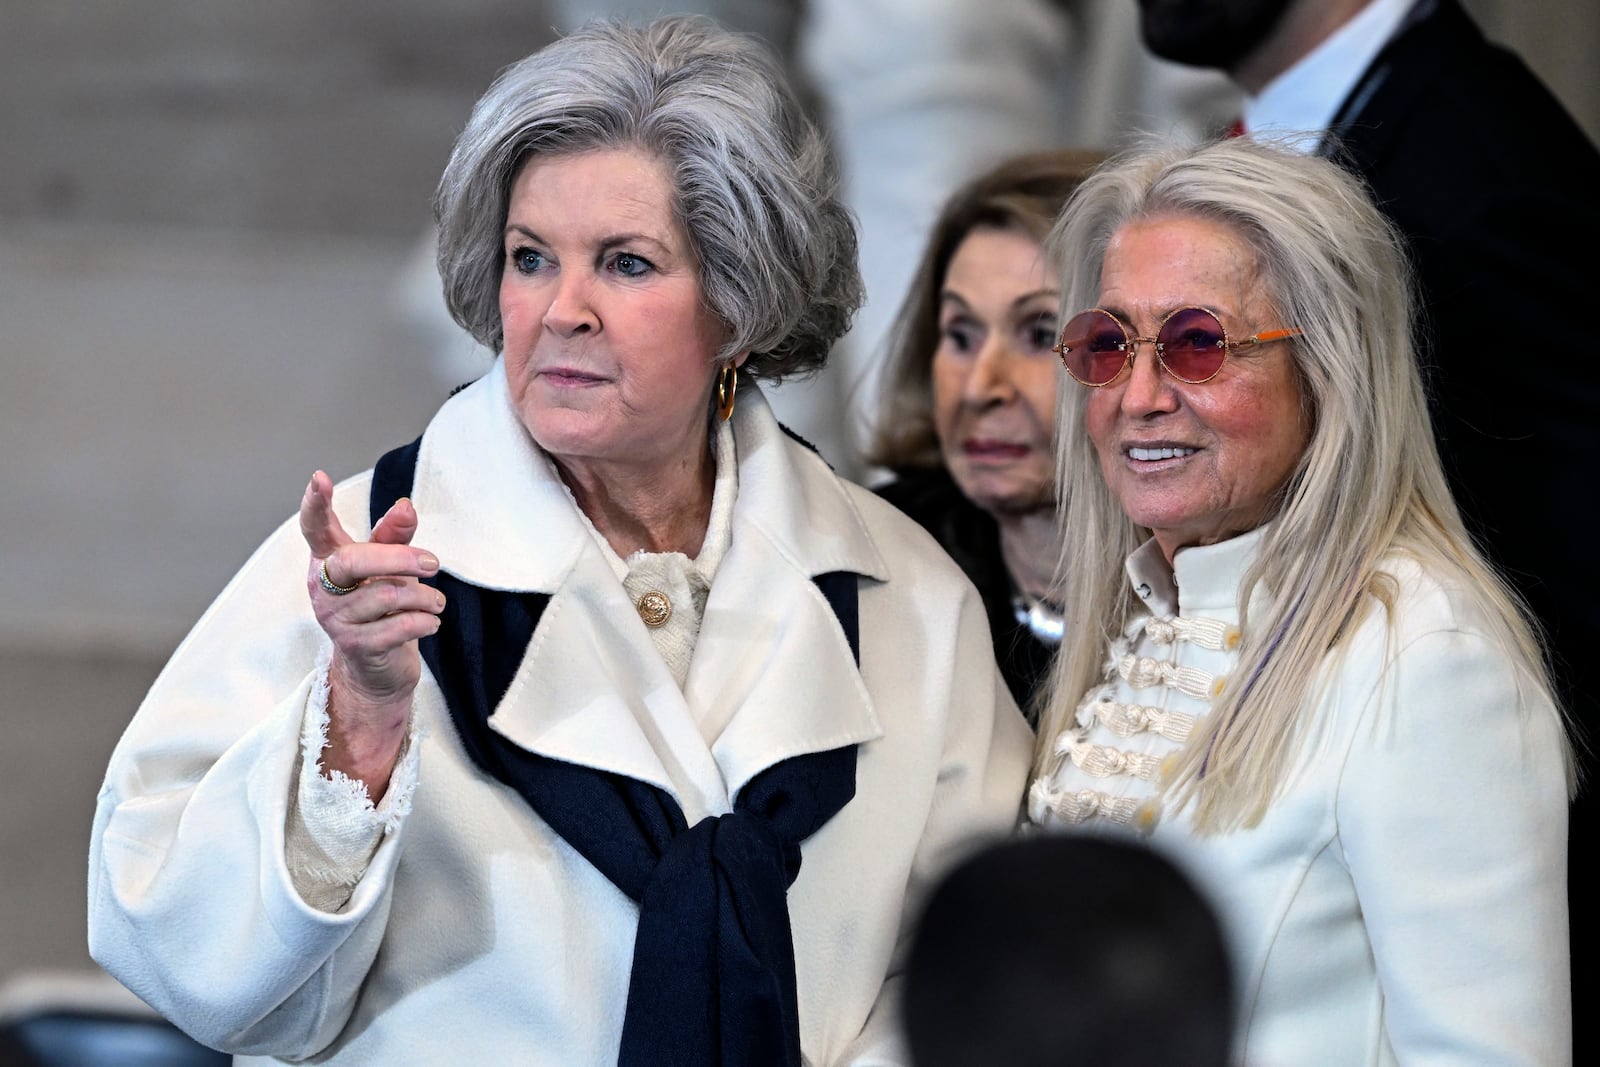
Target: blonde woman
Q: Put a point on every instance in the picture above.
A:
(1289, 665)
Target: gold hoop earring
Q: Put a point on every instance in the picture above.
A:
(727, 385)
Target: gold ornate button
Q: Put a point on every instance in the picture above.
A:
(655, 609)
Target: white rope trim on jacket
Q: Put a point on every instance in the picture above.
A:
(1103, 761)
(1080, 805)
(1141, 672)
(1129, 720)
(1214, 634)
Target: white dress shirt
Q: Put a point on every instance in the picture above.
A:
(1300, 104)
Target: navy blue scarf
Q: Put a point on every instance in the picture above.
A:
(713, 979)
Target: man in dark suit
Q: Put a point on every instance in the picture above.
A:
(1498, 194)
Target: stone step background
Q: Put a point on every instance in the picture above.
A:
(209, 210)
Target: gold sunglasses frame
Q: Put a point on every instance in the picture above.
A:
(1132, 341)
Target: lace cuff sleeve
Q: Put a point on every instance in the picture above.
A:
(333, 826)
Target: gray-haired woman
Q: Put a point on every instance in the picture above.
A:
(640, 757)
(1316, 690)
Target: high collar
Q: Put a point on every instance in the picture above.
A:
(771, 663)
(1202, 580)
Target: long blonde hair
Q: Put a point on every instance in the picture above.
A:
(1369, 484)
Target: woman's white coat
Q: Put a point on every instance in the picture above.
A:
(476, 931)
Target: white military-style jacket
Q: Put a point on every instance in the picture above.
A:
(1403, 900)
(476, 933)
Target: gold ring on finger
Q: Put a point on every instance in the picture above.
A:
(329, 584)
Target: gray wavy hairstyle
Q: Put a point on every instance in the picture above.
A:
(1369, 484)
(755, 185)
